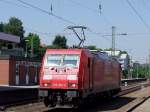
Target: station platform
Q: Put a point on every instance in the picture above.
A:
(10, 94)
(11, 88)
(144, 107)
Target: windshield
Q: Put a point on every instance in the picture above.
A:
(68, 60)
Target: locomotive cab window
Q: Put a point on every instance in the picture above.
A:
(67, 60)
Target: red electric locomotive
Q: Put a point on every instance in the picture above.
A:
(70, 76)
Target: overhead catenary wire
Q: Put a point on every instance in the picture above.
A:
(31, 29)
(103, 36)
(100, 8)
(99, 11)
(39, 32)
(13, 3)
(138, 15)
(25, 4)
(46, 12)
(51, 7)
(49, 33)
(54, 33)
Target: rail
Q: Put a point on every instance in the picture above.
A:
(124, 91)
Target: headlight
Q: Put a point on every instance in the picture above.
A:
(72, 77)
(46, 84)
(71, 85)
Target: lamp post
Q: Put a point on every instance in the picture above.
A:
(113, 39)
(137, 70)
(32, 47)
(26, 52)
(113, 35)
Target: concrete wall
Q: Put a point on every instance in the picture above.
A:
(14, 71)
(4, 72)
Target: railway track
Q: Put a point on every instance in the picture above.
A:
(35, 102)
(137, 99)
(39, 106)
(140, 97)
(138, 104)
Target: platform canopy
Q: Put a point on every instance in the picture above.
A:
(9, 38)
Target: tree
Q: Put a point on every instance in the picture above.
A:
(92, 47)
(1, 27)
(59, 42)
(35, 40)
(14, 26)
(139, 70)
(123, 52)
(125, 73)
(42, 50)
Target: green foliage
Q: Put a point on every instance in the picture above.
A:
(139, 71)
(35, 40)
(59, 42)
(42, 51)
(1, 27)
(92, 47)
(123, 52)
(1, 30)
(14, 26)
(125, 73)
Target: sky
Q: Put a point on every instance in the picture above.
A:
(128, 16)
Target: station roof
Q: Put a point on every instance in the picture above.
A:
(9, 38)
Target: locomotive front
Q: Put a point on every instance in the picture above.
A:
(59, 77)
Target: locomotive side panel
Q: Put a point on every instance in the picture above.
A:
(82, 76)
(98, 74)
(106, 75)
(116, 73)
(86, 71)
(109, 76)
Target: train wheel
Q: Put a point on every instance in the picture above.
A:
(53, 101)
(46, 102)
(50, 102)
(77, 102)
(109, 95)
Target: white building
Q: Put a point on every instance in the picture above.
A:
(117, 53)
(122, 58)
(124, 61)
